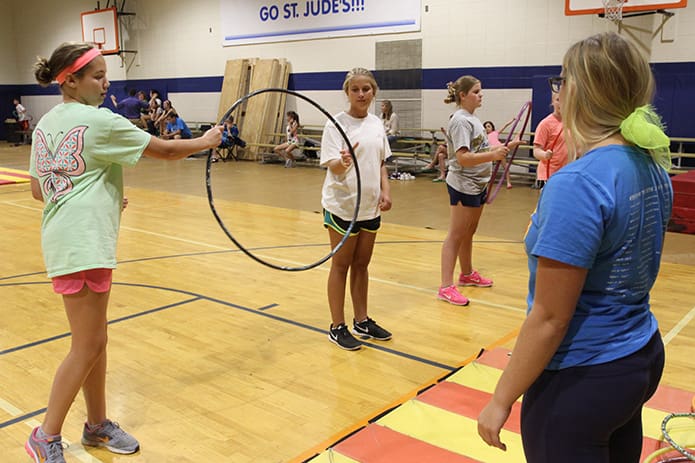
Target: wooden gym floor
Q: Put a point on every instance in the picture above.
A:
(213, 357)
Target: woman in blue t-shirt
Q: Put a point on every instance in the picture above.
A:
(589, 354)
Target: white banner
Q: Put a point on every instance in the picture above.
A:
(257, 21)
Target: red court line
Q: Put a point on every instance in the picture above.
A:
(668, 399)
(356, 427)
(363, 423)
(467, 402)
(650, 446)
(377, 444)
(495, 358)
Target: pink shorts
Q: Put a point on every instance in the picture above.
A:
(97, 279)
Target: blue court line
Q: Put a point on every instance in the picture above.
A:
(19, 419)
(197, 297)
(269, 306)
(263, 248)
(110, 322)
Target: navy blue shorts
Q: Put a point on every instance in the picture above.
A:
(591, 413)
(341, 225)
(456, 197)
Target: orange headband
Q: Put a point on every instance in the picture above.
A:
(78, 64)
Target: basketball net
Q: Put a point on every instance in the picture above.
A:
(613, 10)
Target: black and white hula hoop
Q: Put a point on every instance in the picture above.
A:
(208, 183)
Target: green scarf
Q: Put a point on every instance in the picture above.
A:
(644, 128)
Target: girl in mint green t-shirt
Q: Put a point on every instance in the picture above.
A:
(77, 156)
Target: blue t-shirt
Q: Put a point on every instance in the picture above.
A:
(229, 133)
(179, 124)
(606, 212)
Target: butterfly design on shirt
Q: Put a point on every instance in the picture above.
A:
(57, 168)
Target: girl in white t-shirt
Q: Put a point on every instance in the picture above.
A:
(339, 195)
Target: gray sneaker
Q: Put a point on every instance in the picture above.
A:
(44, 450)
(110, 435)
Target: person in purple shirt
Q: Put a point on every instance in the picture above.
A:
(131, 107)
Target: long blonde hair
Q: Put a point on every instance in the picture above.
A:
(606, 79)
(388, 109)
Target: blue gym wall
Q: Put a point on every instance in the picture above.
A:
(675, 96)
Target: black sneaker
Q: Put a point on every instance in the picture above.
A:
(342, 337)
(368, 329)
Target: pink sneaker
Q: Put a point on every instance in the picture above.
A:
(474, 279)
(452, 295)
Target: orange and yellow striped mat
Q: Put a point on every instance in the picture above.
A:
(439, 424)
(10, 176)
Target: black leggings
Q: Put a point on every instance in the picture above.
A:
(592, 413)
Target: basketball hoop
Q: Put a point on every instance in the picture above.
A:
(613, 10)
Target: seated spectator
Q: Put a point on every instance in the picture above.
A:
(153, 113)
(439, 159)
(230, 138)
(176, 128)
(154, 96)
(161, 122)
(390, 120)
(131, 107)
(286, 150)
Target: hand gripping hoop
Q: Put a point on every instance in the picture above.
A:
(208, 183)
(525, 113)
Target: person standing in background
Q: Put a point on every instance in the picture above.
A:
(390, 120)
(131, 108)
(21, 115)
(549, 144)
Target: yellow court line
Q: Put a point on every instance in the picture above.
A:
(682, 323)
(11, 178)
(451, 431)
(476, 376)
(330, 456)
(15, 171)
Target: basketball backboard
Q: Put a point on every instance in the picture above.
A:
(101, 28)
(576, 7)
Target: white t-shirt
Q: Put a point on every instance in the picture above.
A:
(21, 112)
(391, 125)
(339, 192)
